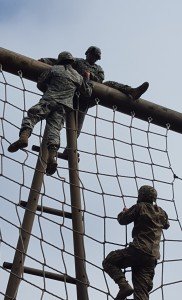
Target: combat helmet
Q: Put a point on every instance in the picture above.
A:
(95, 50)
(147, 194)
(65, 57)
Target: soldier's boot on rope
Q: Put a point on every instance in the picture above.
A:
(135, 93)
(51, 161)
(125, 290)
(22, 142)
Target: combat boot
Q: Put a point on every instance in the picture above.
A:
(51, 161)
(125, 291)
(22, 142)
(135, 93)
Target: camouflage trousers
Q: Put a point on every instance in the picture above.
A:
(84, 103)
(118, 86)
(54, 113)
(142, 266)
(81, 105)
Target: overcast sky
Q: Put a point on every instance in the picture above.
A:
(140, 41)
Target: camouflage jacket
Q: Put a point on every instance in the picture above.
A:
(81, 65)
(149, 221)
(61, 82)
(97, 73)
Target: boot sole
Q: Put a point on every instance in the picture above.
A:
(51, 169)
(123, 297)
(14, 148)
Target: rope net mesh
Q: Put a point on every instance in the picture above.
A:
(118, 154)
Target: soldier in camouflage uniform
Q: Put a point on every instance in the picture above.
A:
(96, 73)
(142, 253)
(59, 85)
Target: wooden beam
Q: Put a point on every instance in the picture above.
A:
(50, 210)
(13, 62)
(41, 273)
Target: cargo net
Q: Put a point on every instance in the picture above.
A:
(118, 154)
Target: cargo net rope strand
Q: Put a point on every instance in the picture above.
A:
(118, 154)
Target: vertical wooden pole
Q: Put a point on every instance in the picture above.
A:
(27, 224)
(78, 231)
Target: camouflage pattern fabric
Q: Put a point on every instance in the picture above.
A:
(118, 86)
(54, 113)
(48, 60)
(84, 102)
(142, 266)
(60, 84)
(97, 73)
(81, 65)
(143, 252)
(149, 220)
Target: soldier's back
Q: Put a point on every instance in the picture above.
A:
(65, 77)
(149, 223)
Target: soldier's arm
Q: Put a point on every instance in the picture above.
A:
(127, 216)
(86, 88)
(43, 81)
(48, 61)
(97, 76)
(101, 75)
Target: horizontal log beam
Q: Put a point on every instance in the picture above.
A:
(50, 210)
(13, 62)
(41, 273)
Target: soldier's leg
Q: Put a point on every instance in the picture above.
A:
(55, 122)
(81, 109)
(34, 114)
(118, 86)
(112, 265)
(80, 117)
(142, 278)
(133, 93)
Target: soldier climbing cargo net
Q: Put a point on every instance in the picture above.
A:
(75, 224)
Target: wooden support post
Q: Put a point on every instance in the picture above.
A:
(78, 231)
(27, 224)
